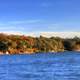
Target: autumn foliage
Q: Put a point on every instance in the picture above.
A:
(18, 44)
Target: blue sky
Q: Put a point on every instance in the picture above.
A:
(39, 15)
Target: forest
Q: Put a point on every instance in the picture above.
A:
(21, 44)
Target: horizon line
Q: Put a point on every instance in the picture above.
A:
(45, 34)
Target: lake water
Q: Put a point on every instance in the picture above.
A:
(48, 66)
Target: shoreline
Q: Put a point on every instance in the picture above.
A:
(15, 44)
(30, 53)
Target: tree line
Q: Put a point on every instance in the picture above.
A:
(15, 44)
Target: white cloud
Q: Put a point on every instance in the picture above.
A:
(24, 21)
(45, 34)
(11, 28)
(11, 32)
(60, 34)
(13, 24)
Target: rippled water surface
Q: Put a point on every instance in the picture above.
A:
(49, 66)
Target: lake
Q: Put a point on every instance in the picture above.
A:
(48, 66)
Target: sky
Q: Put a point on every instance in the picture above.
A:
(33, 16)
